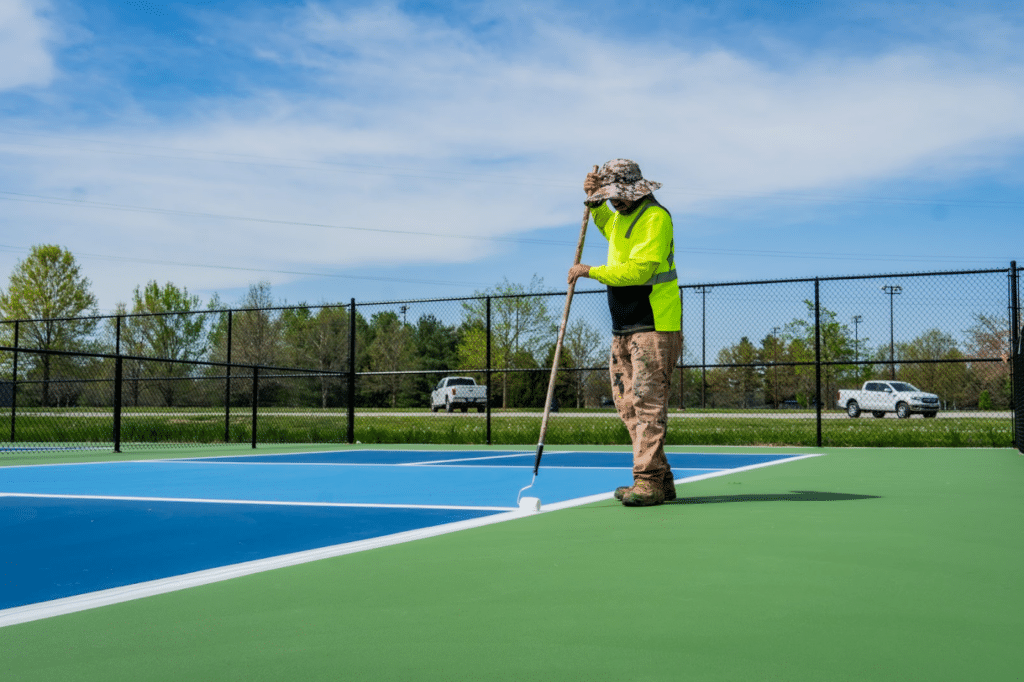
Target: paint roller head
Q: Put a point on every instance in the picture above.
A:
(529, 504)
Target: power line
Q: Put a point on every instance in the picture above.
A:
(213, 266)
(62, 201)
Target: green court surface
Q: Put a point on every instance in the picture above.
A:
(862, 564)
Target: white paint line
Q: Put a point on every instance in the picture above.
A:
(282, 503)
(467, 459)
(749, 467)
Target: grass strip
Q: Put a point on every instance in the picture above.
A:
(567, 429)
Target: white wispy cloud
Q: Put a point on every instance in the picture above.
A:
(396, 121)
(25, 59)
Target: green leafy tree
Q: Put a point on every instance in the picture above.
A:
(163, 325)
(391, 351)
(521, 327)
(437, 350)
(319, 341)
(582, 349)
(989, 338)
(740, 384)
(952, 382)
(836, 345)
(49, 289)
(256, 335)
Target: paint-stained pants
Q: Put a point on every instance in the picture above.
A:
(641, 372)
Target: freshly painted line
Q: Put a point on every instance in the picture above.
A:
(749, 467)
(465, 459)
(281, 503)
(686, 479)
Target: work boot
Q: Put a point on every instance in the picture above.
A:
(643, 494)
(668, 484)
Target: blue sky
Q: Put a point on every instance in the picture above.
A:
(386, 150)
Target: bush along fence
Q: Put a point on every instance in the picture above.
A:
(762, 363)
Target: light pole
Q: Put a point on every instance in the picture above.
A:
(893, 291)
(703, 291)
(775, 336)
(856, 339)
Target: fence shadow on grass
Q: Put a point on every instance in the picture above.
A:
(794, 496)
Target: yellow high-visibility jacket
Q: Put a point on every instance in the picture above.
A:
(643, 291)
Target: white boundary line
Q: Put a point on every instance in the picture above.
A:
(280, 503)
(117, 595)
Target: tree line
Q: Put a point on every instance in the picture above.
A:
(780, 367)
(400, 361)
(168, 322)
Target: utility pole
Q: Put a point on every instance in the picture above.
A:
(775, 345)
(703, 291)
(893, 291)
(856, 340)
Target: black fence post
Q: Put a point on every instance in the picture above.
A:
(1016, 378)
(489, 394)
(817, 353)
(118, 383)
(352, 373)
(1015, 320)
(14, 384)
(255, 401)
(227, 386)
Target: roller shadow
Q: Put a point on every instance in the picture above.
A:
(794, 496)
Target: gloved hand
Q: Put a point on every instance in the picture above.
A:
(592, 183)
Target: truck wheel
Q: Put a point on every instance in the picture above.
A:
(903, 411)
(480, 410)
(434, 408)
(447, 406)
(464, 409)
(853, 409)
(877, 415)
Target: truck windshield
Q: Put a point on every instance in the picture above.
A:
(904, 388)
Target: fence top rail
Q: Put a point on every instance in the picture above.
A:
(838, 278)
(481, 297)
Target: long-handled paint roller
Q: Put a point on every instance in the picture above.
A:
(533, 503)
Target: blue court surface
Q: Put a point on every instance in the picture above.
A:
(75, 529)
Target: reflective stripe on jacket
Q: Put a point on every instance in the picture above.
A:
(643, 291)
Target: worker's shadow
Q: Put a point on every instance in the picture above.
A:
(794, 496)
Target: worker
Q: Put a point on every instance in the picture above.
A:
(643, 298)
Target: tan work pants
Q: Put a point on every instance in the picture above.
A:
(641, 368)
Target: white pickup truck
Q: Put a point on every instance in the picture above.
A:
(879, 397)
(460, 392)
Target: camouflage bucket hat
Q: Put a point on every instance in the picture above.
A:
(621, 179)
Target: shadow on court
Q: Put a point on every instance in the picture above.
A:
(794, 496)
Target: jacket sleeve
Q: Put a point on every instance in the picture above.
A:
(630, 273)
(601, 215)
(650, 241)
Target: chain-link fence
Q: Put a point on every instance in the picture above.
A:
(767, 362)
